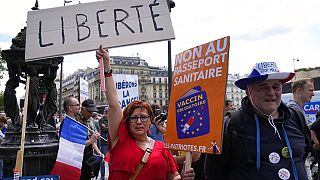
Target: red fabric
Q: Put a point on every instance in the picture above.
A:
(126, 155)
(107, 157)
(65, 171)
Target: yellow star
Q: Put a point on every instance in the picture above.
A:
(198, 129)
(189, 112)
(200, 118)
(181, 120)
(184, 115)
(192, 132)
(200, 124)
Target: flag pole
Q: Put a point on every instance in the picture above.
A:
(87, 128)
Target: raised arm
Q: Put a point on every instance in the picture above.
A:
(115, 111)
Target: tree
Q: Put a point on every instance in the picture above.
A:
(3, 68)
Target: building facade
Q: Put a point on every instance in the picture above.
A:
(152, 82)
(234, 93)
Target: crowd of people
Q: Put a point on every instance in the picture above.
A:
(263, 139)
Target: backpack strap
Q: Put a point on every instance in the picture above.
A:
(300, 119)
(232, 127)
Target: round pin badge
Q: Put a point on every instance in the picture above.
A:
(284, 173)
(274, 157)
(285, 152)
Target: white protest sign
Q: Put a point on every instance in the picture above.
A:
(79, 28)
(84, 90)
(127, 88)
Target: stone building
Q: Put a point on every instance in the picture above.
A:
(152, 81)
(233, 93)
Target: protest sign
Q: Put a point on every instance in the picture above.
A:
(83, 90)
(83, 27)
(197, 98)
(127, 88)
(310, 110)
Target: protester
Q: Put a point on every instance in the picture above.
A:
(3, 127)
(58, 124)
(129, 140)
(263, 139)
(157, 125)
(3, 130)
(71, 106)
(302, 91)
(90, 165)
(103, 122)
(315, 136)
(95, 121)
(228, 106)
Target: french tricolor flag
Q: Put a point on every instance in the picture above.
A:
(71, 146)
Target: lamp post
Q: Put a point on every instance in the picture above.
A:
(171, 5)
(294, 67)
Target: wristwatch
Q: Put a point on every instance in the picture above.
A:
(108, 72)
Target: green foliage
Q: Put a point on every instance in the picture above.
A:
(1, 101)
(2, 66)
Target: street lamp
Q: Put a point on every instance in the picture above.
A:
(171, 4)
(294, 67)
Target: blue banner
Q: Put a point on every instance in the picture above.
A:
(45, 177)
(311, 107)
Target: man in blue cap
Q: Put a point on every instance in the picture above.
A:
(264, 138)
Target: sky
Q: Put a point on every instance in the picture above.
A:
(264, 30)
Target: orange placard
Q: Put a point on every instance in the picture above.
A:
(197, 98)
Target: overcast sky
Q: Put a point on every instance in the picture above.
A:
(263, 30)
